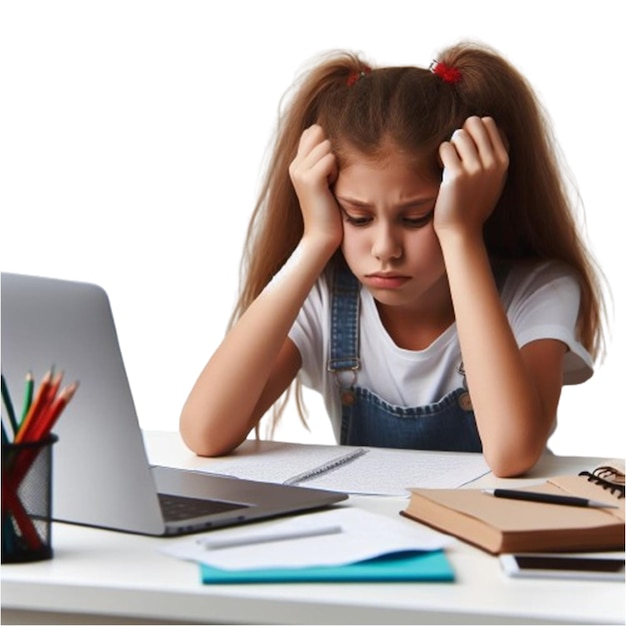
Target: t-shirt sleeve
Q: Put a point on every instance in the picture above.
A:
(308, 335)
(544, 305)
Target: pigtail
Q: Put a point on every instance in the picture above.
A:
(276, 225)
(535, 217)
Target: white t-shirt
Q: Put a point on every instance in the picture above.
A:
(541, 302)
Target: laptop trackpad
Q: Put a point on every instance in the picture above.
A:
(179, 508)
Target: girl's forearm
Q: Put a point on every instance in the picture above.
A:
(220, 410)
(511, 420)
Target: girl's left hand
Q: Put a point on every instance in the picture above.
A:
(475, 162)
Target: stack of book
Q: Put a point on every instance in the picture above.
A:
(534, 518)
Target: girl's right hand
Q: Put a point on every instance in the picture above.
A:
(312, 172)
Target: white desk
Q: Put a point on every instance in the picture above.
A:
(102, 577)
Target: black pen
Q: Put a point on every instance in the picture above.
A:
(547, 498)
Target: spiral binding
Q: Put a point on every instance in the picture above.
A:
(608, 478)
(325, 468)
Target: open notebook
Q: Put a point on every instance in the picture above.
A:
(352, 469)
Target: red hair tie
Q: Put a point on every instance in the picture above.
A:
(447, 73)
(356, 75)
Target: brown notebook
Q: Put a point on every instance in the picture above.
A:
(500, 525)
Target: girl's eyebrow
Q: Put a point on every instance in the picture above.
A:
(410, 204)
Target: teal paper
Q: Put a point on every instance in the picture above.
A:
(398, 567)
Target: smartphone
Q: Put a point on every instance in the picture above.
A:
(563, 566)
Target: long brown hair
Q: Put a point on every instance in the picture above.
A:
(413, 109)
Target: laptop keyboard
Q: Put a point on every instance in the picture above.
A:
(177, 508)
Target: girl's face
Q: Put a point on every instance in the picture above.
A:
(389, 241)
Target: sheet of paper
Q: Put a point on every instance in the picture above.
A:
(363, 535)
(380, 471)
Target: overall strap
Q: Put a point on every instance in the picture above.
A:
(344, 324)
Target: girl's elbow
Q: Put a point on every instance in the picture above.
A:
(508, 469)
(200, 438)
(515, 451)
(512, 463)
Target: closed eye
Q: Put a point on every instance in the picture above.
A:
(418, 222)
(410, 222)
(356, 220)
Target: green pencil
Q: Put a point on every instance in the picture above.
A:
(29, 386)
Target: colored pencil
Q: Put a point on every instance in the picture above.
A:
(51, 393)
(39, 403)
(39, 415)
(12, 504)
(6, 398)
(39, 430)
(48, 418)
(29, 386)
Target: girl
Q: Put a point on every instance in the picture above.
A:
(414, 258)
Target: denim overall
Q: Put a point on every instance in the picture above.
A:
(367, 419)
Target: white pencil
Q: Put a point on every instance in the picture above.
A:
(249, 540)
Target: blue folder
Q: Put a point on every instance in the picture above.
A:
(431, 566)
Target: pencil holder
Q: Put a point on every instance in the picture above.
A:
(27, 500)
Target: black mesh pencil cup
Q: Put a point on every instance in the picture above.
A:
(27, 500)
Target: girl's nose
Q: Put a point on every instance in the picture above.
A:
(386, 245)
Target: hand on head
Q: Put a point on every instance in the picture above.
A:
(312, 172)
(475, 162)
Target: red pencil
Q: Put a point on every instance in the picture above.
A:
(12, 505)
(53, 389)
(41, 429)
(45, 423)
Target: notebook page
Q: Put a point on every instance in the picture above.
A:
(281, 463)
(378, 471)
(383, 471)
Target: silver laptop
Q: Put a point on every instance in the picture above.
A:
(101, 474)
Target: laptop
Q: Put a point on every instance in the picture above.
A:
(101, 473)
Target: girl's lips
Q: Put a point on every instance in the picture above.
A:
(386, 281)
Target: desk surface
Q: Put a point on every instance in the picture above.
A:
(100, 576)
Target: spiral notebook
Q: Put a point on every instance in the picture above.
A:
(499, 525)
(609, 476)
(350, 469)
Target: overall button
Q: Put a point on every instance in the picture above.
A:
(465, 402)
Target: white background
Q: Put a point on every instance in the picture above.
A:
(133, 135)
